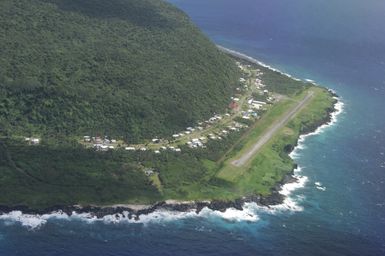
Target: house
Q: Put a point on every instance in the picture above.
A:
(130, 148)
(178, 150)
(256, 106)
(101, 147)
(175, 135)
(113, 141)
(87, 138)
(157, 152)
(149, 171)
(233, 105)
(155, 140)
(143, 149)
(212, 119)
(35, 141)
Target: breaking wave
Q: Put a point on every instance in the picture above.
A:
(339, 107)
(250, 213)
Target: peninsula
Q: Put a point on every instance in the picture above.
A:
(116, 103)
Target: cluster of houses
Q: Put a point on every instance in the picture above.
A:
(149, 171)
(188, 131)
(197, 143)
(214, 119)
(201, 126)
(257, 82)
(242, 67)
(32, 141)
(130, 148)
(100, 144)
(105, 144)
(253, 107)
(158, 151)
(200, 142)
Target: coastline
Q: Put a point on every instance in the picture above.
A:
(133, 212)
(252, 60)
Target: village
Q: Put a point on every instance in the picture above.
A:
(248, 104)
(245, 107)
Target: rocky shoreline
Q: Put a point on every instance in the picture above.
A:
(134, 211)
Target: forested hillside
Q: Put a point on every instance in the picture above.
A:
(125, 68)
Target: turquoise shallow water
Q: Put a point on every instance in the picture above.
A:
(340, 44)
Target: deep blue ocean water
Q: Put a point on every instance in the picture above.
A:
(340, 44)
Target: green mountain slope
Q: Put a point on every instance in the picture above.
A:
(125, 68)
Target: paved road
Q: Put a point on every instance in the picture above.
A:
(277, 125)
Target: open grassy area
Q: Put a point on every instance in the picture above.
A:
(272, 162)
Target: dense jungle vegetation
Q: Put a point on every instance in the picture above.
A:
(124, 68)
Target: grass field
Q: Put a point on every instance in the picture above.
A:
(272, 162)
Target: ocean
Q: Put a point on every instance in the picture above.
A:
(338, 208)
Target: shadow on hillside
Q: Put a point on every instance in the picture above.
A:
(139, 12)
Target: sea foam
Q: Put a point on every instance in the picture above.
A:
(255, 61)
